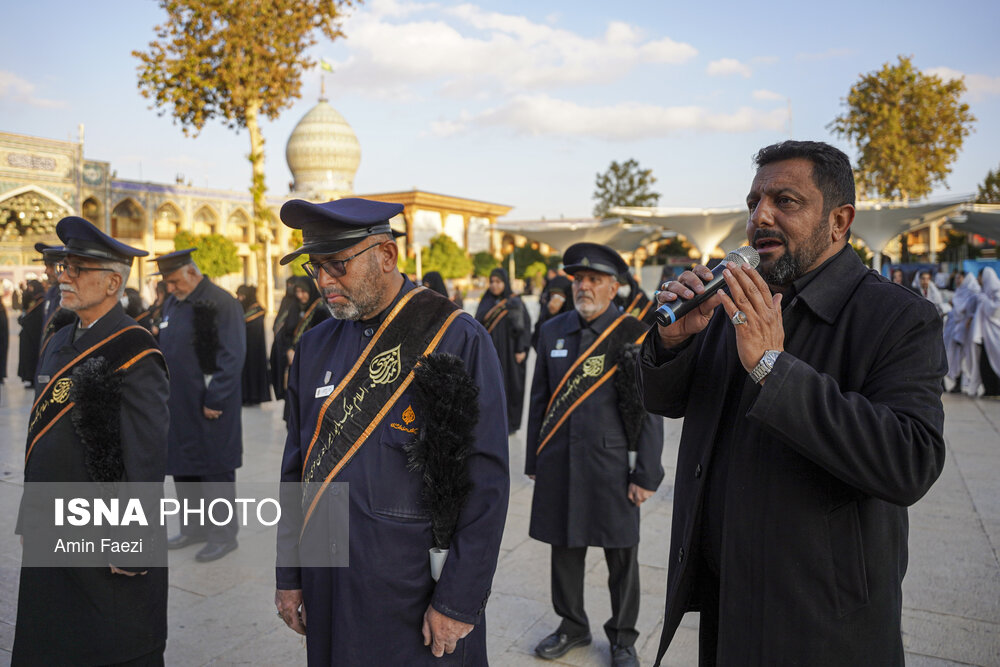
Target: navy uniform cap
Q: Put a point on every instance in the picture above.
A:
(172, 261)
(330, 227)
(595, 257)
(50, 253)
(80, 237)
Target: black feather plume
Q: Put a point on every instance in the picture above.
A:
(629, 402)
(206, 336)
(447, 398)
(97, 392)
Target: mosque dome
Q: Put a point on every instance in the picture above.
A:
(323, 154)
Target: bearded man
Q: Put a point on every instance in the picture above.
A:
(811, 398)
(358, 409)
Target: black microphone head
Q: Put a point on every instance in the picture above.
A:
(743, 255)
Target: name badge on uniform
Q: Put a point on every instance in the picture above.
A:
(559, 353)
(322, 392)
(44, 379)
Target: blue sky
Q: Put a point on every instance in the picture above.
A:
(519, 103)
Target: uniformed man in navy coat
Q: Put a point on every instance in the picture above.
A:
(100, 415)
(357, 410)
(592, 450)
(203, 338)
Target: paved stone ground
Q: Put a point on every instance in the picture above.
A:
(222, 613)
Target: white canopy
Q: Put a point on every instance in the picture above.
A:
(709, 228)
(704, 228)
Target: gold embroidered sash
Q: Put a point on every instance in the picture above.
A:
(493, 316)
(304, 322)
(121, 349)
(591, 369)
(255, 312)
(368, 392)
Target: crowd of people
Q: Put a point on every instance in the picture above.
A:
(810, 391)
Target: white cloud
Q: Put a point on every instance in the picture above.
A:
(767, 95)
(465, 48)
(829, 54)
(978, 85)
(539, 115)
(727, 66)
(14, 89)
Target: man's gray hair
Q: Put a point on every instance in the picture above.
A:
(123, 270)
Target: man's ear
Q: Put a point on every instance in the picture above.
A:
(841, 219)
(390, 256)
(115, 283)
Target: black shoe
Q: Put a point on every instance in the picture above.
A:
(212, 551)
(182, 540)
(623, 656)
(558, 644)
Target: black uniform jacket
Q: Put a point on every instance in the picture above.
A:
(371, 612)
(845, 432)
(582, 474)
(89, 616)
(200, 446)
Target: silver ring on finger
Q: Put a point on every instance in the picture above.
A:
(739, 317)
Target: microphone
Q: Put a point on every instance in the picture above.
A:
(669, 313)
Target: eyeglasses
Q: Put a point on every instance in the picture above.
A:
(335, 268)
(74, 271)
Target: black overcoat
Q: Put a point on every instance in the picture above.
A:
(89, 616)
(32, 322)
(510, 336)
(196, 445)
(371, 612)
(256, 381)
(845, 432)
(582, 474)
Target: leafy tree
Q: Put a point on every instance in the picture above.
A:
(535, 272)
(862, 251)
(482, 263)
(296, 264)
(216, 255)
(235, 61)
(524, 256)
(673, 247)
(624, 184)
(444, 256)
(989, 191)
(908, 128)
(553, 261)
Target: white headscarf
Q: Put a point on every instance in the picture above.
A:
(956, 327)
(933, 293)
(985, 329)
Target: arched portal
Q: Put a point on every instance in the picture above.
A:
(128, 220)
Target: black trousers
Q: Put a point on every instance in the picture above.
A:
(568, 565)
(193, 489)
(991, 383)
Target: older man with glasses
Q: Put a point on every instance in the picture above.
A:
(203, 338)
(399, 370)
(100, 415)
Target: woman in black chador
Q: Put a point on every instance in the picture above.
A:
(288, 315)
(31, 321)
(506, 320)
(311, 309)
(256, 383)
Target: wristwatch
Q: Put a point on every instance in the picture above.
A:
(764, 366)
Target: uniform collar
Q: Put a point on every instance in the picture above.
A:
(602, 322)
(827, 289)
(100, 329)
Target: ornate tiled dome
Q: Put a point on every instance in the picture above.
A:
(323, 154)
